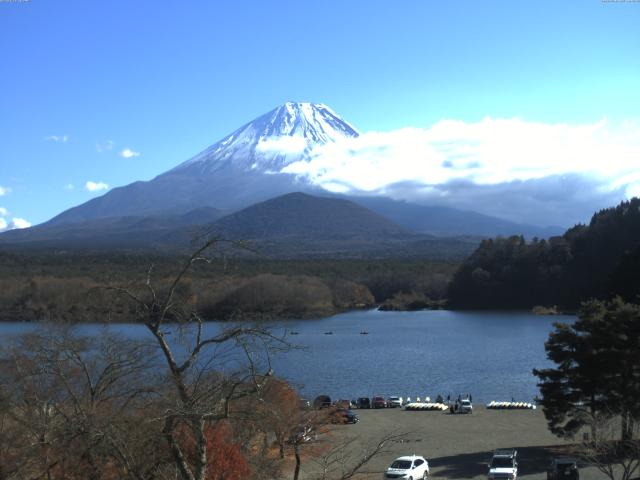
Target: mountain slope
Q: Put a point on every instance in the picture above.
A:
(232, 173)
(240, 170)
(299, 225)
(447, 221)
(110, 232)
(306, 216)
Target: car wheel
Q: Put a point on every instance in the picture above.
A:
(424, 475)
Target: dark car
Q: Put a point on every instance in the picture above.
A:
(378, 402)
(561, 468)
(344, 415)
(363, 402)
(322, 401)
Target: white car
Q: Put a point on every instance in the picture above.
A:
(394, 402)
(503, 465)
(465, 406)
(411, 467)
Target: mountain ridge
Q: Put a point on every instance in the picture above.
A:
(242, 169)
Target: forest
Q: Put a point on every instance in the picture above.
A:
(64, 287)
(598, 260)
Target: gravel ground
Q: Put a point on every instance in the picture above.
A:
(457, 446)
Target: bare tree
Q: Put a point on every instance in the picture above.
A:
(346, 458)
(70, 405)
(617, 459)
(204, 384)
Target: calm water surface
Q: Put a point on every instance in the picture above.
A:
(487, 354)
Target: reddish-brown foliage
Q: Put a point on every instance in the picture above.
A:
(226, 461)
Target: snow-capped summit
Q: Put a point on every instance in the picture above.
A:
(233, 173)
(284, 135)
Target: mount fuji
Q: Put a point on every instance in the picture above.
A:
(239, 171)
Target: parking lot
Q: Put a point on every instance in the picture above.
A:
(457, 446)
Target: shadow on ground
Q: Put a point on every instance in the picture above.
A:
(531, 460)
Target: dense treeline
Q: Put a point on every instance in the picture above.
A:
(63, 286)
(598, 260)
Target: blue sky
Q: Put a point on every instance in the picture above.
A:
(82, 81)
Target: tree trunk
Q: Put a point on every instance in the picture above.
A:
(296, 450)
(626, 426)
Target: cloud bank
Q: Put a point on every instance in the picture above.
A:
(520, 170)
(4, 191)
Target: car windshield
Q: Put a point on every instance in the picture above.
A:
(402, 464)
(501, 462)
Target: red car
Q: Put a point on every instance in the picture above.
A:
(378, 402)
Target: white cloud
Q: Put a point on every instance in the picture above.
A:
(19, 223)
(633, 190)
(128, 153)
(4, 191)
(3, 211)
(283, 144)
(69, 186)
(57, 138)
(105, 146)
(95, 186)
(14, 224)
(484, 154)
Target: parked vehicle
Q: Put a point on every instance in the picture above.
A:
(462, 406)
(305, 404)
(504, 465)
(394, 402)
(378, 402)
(465, 406)
(344, 415)
(411, 467)
(345, 404)
(322, 401)
(563, 468)
(364, 402)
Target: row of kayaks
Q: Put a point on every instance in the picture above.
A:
(510, 405)
(426, 406)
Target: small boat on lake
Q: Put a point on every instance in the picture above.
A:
(328, 333)
(364, 332)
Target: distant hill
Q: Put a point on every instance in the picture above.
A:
(306, 216)
(598, 260)
(299, 225)
(447, 221)
(295, 225)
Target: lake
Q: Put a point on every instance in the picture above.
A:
(487, 354)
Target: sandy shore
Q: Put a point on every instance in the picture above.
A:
(458, 446)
